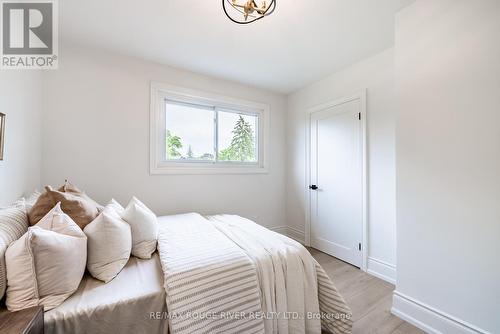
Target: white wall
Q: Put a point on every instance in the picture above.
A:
(376, 75)
(21, 101)
(448, 165)
(97, 135)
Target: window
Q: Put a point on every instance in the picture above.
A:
(195, 132)
(237, 139)
(189, 132)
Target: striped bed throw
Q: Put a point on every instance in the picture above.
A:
(209, 281)
(226, 274)
(337, 317)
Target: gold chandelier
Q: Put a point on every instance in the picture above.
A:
(249, 11)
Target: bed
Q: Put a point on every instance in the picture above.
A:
(217, 274)
(129, 303)
(227, 274)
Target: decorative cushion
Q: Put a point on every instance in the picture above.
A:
(116, 206)
(13, 224)
(45, 266)
(31, 200)
(42, 206)
(109, 243)
(71, 188)
(75, 203)
(144, 226)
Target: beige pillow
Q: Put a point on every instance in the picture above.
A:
(109, 243)
(144, 226)
(13, 224)
(81, 208)
(45, 266)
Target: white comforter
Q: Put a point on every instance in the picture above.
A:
(294, 293)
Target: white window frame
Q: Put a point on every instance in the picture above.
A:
(159, 165)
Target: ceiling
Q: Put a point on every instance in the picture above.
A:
(301, 42)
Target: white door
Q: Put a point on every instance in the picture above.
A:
(337, 181)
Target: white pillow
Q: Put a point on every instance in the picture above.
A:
(116, 206)
(109, 243)
(144, 226)
(45, 266)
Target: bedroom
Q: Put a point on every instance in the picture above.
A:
(420, 78)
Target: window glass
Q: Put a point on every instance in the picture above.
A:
(190, 132)
(237, 135)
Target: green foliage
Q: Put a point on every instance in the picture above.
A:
(242, 145)
(174, 144)
(225, 155)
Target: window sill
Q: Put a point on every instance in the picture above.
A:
(193, 170)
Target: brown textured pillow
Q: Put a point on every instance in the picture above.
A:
(75, 203)
(71, 188)
(42, 206)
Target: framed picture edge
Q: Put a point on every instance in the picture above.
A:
(2, 134)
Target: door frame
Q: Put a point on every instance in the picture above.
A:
(361, 96)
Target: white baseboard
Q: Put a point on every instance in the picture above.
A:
(280, 229)
(296, 234)
(429, 319)
(290, 232)
(382, 270)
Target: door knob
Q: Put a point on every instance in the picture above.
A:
(313, 187)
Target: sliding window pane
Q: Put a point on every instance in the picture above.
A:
(190, 132)
(237, 137)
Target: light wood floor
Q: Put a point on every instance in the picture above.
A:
(369, 298)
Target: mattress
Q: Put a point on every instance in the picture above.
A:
(133, 302)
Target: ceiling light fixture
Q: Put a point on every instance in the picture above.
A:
(248, 12)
